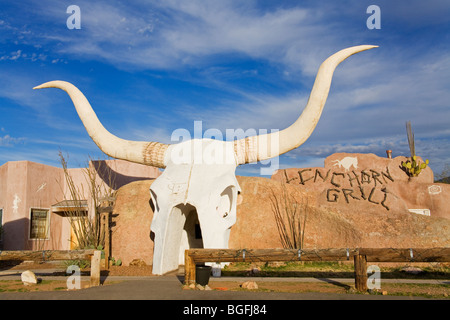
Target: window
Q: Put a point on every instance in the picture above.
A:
(39, 223)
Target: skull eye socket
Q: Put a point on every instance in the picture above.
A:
(225, 202)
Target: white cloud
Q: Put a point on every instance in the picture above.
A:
(172, 34)
(7, 141)
(372, 94)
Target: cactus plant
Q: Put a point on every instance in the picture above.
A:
(115, 262)
(413, 167)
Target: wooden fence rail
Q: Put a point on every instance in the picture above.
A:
(49, 255)
(360, 257)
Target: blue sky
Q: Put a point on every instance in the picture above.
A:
(150, 67)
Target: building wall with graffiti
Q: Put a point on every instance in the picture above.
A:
(368, 182)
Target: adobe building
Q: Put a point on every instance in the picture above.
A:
(34, 199)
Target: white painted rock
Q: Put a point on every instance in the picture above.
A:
(250, 285)
(28, 278)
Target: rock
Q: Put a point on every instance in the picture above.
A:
(412, 270)
(275, 264)
(256, 270)
(353, 290)
(28, 278)
(371, 200)
(138, 263)
(132, 217)
(188, 287)
(250, 285)
(330, 225)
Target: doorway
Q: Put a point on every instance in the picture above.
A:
(180, 235)
(191, 236)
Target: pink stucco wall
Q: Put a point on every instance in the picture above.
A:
(25, 185)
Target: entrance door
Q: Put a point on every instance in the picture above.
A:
(78, 229)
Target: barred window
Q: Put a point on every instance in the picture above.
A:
(39, 224)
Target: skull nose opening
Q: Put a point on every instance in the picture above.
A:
(183, 233)
(191, 237)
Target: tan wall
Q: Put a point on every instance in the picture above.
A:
(370, 184)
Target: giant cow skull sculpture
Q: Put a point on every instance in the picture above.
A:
(199, 178)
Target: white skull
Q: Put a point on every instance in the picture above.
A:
(199, 179)
(199, 182)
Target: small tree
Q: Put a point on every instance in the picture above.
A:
(87, 229)
(290, 216)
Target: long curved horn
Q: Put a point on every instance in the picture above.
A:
(149, 153)
(262, 147)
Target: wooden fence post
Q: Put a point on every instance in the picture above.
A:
(95, 268)
(360, 272)
(105, 220)
(105, 209)
(189, 268)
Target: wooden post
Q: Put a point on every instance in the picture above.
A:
(360, 272)
(107, 239)
(189, 268)
(441, 254)
(102, 228)
(238, 255)
(38, 255)
(95, 268)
